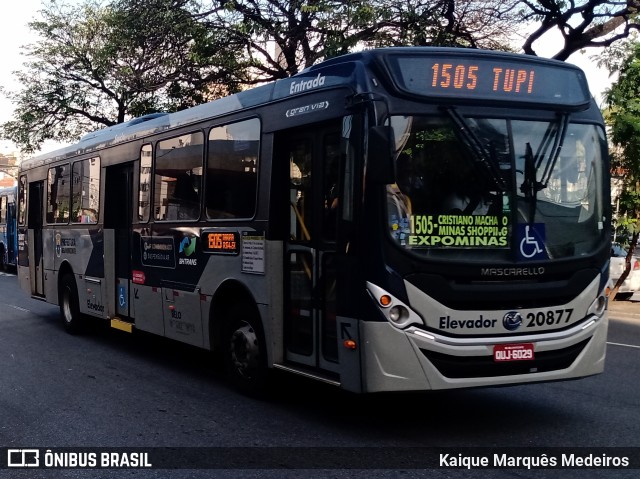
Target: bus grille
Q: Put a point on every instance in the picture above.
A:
(484, 366)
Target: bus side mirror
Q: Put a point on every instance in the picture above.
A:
(380, 166)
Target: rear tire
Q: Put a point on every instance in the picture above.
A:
(69, 306)
(244, 351)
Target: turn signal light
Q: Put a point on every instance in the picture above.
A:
(350, 344)
(385, 300)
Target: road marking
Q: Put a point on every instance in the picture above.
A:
(18, 308)
(625, 345)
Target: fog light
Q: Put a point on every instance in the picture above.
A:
(598, 307)
(398, 314)
(601, 305)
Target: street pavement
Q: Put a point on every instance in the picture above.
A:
(628, 309)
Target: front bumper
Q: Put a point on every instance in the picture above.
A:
(397, 360)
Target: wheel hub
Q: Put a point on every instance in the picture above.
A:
(245, 350)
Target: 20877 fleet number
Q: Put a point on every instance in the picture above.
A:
(549, 318)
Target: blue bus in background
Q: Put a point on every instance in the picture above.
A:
(8, 230)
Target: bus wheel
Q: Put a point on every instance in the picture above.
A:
(69, 307)
(244, 352)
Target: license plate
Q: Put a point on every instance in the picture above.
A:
(513, 352)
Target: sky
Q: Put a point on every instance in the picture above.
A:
(16, 33)
(13, 33)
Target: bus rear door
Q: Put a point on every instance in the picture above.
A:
(118, 233)
(34, 225)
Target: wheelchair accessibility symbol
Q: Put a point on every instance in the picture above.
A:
(122, 296)
(532, 242)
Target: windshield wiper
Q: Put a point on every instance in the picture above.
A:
(530, 185)
(477, 149)
(563, 123)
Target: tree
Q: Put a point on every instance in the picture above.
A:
(582, 23)
(305, 32)
(279, 38)
(97, 65)
(623, 118)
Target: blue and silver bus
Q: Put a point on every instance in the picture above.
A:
(8, 228)
(393, 219)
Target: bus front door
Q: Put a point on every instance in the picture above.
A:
(310, 250)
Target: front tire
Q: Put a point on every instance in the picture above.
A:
(244, 351)
(69, 305)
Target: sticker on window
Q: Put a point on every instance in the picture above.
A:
(451, 231)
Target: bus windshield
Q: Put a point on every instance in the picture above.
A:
(478, 188)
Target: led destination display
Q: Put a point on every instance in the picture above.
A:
(495, 78)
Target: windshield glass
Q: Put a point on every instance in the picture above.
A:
(492, 188)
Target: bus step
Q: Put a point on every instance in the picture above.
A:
(117, 323)
(327, 378)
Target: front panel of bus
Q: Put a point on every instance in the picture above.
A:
(494, 229)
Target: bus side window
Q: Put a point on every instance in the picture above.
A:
(3, 209)
(85, 192)
(58, 195)
(232, 179)
(178, 177)
(144, 193)
(22, 200)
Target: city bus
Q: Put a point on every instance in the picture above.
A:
(398, 219)
(8, 228)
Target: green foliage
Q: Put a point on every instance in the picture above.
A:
(97, 65)
(99, 62)
(280, 38)
(623, 118)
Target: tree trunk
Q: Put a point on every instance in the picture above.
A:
(627, 264)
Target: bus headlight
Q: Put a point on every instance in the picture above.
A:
(398, 313)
